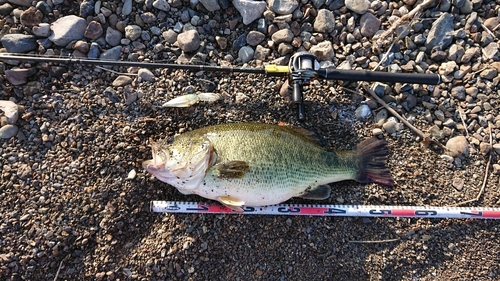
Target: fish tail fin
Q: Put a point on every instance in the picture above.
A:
(372, 155)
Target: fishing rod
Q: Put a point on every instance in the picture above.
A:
(330, 210)
(303, 67)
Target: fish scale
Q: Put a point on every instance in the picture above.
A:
(260, 164)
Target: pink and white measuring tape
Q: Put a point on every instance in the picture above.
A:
(331, 210)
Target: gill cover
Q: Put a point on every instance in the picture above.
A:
(182, 164)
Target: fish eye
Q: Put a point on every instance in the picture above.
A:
(170, 140)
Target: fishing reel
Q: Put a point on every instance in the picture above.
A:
(303, 66)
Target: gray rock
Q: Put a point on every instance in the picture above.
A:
(113, 36)
(262, 26)
(25, 3)
(241, 97)
(324, 22)
(189, 41)
(112, 54)
(249, 10)
(369, 25)
(467, 7)
(323, 51)
(67, 29)
(132, 32)
(211, 5)
(458, 92)
(318, 3)
(42, 30)
(445, 5)
(10, 110)
(146, 75)
(239, 42)
(127, 7)
(496, 148)
(170, 36)
(283, 35)
(121, 81)
(18, 76)
(458, 147)
(491, 51)
(94, 30)
(255, 37)
(283, 7)
(19, 43)
(31, 17)
(441, 33)
(87, 8)
(94, 51)
(8, 131)
(285, 49)
(148, 17)
(6, 9)
(335, 5)
(245, 54)
(261, 53)
(492, 22)
(363, 112)
(358, 6)
(221, 42)
(162, 5)
(390, 127)
(381, 117)
(458, 3)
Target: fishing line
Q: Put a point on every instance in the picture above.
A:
(380, 211)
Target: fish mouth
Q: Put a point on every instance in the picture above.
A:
(157, 161)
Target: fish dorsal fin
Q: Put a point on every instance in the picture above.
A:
(320, 192)
(232, 169)
(304, 133)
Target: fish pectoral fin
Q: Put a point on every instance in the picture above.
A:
(231, 202)
(320, 192)
(232, 169)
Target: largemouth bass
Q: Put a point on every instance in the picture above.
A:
(258, 164)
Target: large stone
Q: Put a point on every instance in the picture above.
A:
(324, 22)
(210, 5)
(113, 36)
(245, 54)
(25, 3)
(31, 17)
(458, 147)
(283, 35)
(18, 76)
(250, 10)
(127, 7)
(8, 131)
(161, 5)
(441, 33)
(133, 32)
(358, 6)
(255, 37)
(94, 30)
(111, 54)
(283, 7)
(19, 43)
(369, 25)
(67, 29)
(189, 41)
(10, 110)
(323, 51)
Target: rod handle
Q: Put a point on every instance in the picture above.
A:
(378, 76)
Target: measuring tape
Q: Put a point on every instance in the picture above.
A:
(331, 210)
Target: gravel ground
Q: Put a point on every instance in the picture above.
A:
(76, 199)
